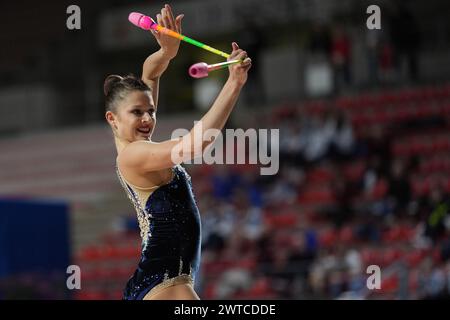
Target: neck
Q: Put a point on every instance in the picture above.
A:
(120, 144)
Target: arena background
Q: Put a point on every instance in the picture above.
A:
(364, 148)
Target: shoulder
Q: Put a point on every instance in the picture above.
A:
(149, 156)
(130, 156)
(131, 152)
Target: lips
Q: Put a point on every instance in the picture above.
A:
(144, 130)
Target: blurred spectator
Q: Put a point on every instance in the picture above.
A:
(320, 39)
(373, 46)
(224, 182)
(399, 188)
(285, 189)
(320, 135)
(436, 209)
(301, 256)
(435, 285)
(232, 282)
(367, 229)
(264, 248)
(342, 143)
(252, 39)
(386, 63)
(378, 145)
(405, 37)
(293, 139)
(253, 223)
(343, 194)
(340, 57)
(281, 274)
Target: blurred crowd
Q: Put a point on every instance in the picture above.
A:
(343, 200)
(391, 52)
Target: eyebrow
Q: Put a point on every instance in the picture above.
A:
(138, 106)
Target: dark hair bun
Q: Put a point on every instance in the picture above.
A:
(110, 82)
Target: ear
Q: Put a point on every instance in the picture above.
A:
(111, 118)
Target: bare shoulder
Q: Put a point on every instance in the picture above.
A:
(135, 152)
(129, 166)
(148, 156)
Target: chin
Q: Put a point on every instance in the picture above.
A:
(145, 138)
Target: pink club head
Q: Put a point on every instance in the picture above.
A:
(141, 21)
(199, 70)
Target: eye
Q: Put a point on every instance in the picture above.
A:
(137, 112)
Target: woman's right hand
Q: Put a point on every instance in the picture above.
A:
(169, 45)
(239, 71)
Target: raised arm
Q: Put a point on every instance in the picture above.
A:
(147, 156)
(155, 64)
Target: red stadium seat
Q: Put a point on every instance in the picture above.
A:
(91, 253)
(414, 258)
(346, 235)
(389, 284)
(90, 295)
(328, 238)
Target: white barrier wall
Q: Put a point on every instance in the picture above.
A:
(27, 108)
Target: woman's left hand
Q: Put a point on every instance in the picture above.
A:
(169, 45)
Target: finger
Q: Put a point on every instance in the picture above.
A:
(242, 55)
(234, 55)
(155, 33)
(178, 22)
(247, 67)
(235, 46)
(170, 14)
(246, 62)
(160, 20)
(166, 19)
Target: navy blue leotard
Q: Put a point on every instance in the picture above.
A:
(170, 226)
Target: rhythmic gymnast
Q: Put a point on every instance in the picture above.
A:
(154, 180)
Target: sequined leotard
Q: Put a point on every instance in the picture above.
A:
(170, 229)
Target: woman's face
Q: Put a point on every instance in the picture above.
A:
(135, 118)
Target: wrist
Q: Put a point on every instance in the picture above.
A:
(167, 54)
(235, 83)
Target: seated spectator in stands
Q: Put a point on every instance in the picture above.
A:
(253, 223)
(368, 229)
(293, 138)
(281, 273)
(251, 186)
(223, 182)
(342, 211)
(374, 186)
(264, 248)
(436, 209)
(377, 145)
(399, 187)
(218, 225)
(343, 140)
(233, 281)
(405, 37)
(285, 190)
(356, 275)
(211, 238)
(320, 39)
(341, 57)
(435, 285)
(319, 136)
(300, 256)
(337, 283)
(373, 41)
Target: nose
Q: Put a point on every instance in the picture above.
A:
(146, 117)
